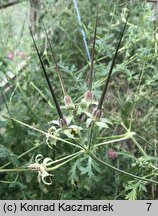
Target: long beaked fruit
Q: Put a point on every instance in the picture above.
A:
(47, 78)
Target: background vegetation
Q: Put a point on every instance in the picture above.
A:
(131, 100)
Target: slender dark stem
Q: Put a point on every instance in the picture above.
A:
(47, 78)
(2, 6)
(55, 62)
(111, 69)
(92, 56)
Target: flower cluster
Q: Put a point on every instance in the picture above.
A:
(112, 154)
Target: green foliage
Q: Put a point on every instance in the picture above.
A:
(84, 168)
(134, 190)
(81, 166)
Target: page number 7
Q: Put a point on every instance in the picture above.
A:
(149, 205)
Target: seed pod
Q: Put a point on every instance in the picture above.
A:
(100, 104)
(88, 96)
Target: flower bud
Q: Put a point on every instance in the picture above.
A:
(112, 154)
(96, 114)
(88, 96)
(68, 101)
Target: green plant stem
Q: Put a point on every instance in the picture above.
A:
(134, 140)
(9, 182)
(111, 141)
(136, 96)
(20, 156)
(90, 133)
(131, 59)
(26, 101)
(45, 133)
(113, 137)
(7, 107)
(147, 142)
(122, 137)
(119, 170)
(139, 147)
(14, 170)
(64, 158)
(61, 164)
(48, 169)
(40, 92)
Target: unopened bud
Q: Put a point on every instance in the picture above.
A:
(68, 101)
(96, 114)
(63, 122)
(88, 96)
